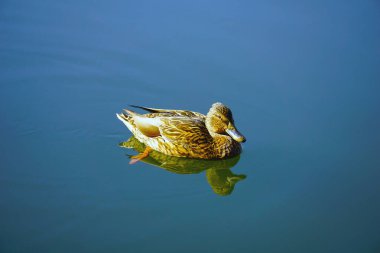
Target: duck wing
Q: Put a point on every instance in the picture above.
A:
(184, 131)
(176, 130)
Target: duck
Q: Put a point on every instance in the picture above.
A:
(184, 133)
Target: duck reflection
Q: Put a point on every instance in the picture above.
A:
(218, 172)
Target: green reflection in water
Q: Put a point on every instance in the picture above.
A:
(218, 172)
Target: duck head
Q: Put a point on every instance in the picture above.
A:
(219, 120)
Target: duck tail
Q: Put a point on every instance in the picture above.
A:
(130, 113)
(127, 120)
(123, 117)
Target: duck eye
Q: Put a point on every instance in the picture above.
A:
(223, 119)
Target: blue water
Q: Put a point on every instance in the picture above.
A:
(302, 80)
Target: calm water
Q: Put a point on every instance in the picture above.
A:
(302, 80)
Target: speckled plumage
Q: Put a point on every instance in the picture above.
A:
(185, 133)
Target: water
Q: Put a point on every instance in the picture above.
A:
(302, 80)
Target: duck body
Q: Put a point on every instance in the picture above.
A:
(184, 133)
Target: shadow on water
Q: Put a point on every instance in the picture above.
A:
(218, 172)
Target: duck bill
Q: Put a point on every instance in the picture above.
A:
(234, 133)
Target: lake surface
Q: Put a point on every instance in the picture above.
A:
(302, 80)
